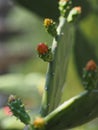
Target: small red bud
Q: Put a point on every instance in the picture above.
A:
(91, 65)
(42, 48)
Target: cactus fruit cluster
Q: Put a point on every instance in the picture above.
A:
(77, 110)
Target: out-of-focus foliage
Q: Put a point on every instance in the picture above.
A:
(29, 87)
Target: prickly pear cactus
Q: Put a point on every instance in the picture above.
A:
(77, 110)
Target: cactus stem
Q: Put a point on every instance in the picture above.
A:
(49, 90)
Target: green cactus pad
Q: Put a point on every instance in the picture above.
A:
(74, 112)
(19, 111)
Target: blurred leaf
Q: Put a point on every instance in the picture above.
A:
(29, 86)
(9, 122)
(44, 8)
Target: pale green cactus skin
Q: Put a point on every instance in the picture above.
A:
(57, 69)
(74, 112)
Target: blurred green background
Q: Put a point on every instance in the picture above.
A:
(26, 79)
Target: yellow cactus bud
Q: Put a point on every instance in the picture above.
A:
(39, 122)
(48, 22)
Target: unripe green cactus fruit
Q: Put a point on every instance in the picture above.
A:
(18, 109)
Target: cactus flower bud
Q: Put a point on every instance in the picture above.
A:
(48, 22)
(73, 14)
(90, 75)
(39, 122)
(44, 52)
(78, 9)
(64, 7)
(42, 48)
(91, 65)
(50, 26)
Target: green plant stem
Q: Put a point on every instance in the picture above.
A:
(54, 78)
